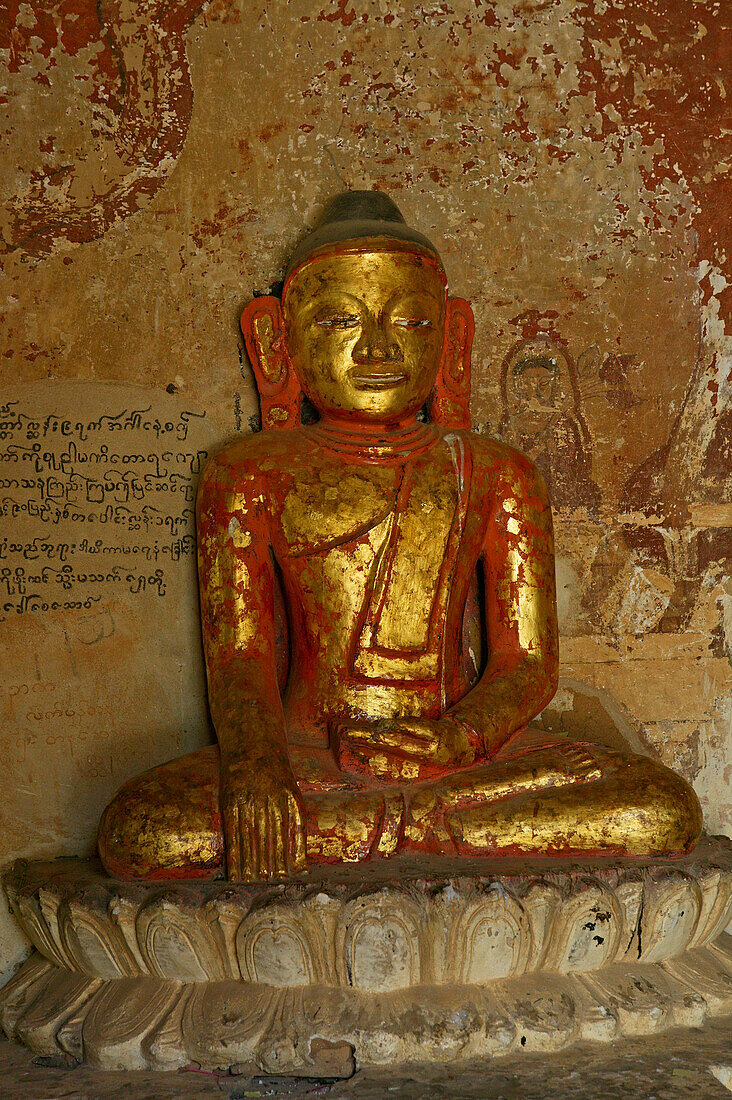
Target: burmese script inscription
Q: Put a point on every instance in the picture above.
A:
(102, 672)
(94, 503)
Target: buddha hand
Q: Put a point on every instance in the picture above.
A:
(264, 823)
(399, 749)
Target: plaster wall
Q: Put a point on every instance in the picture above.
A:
(161, 159)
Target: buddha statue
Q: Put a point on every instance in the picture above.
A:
(378, 608)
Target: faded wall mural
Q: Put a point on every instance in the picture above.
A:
(160, 161)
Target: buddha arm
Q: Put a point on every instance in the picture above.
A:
(237, 610)
(521, 619)
(260, 802)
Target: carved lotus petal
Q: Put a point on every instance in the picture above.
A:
(492, 939)
(586, 930)
(272, 947)
(381, 942)
(94, 944)
(177, 944)
(670, 917)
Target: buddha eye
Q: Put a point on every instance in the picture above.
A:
(413, 322)
(338, 320)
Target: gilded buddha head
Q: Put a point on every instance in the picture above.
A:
(365, 328)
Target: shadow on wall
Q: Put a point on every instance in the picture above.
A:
(584, 713)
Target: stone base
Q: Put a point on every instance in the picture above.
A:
(398, 962)
(318, 1031)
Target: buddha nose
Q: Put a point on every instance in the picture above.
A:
(376, 345)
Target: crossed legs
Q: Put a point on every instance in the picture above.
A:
(537, 796)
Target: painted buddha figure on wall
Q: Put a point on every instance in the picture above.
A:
(378, 607)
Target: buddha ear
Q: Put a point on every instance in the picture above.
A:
(449, 403)
(264, 336)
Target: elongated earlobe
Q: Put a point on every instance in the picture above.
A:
(449, 402)
(279, 390)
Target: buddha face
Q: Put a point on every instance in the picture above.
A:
(365, 332)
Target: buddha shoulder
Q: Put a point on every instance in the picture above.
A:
(259, 456)
(504, 469)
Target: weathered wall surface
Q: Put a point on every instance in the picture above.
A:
(160, 161)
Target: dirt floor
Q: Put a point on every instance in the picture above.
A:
(674, 1066)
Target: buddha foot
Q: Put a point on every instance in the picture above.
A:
(285, 978)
